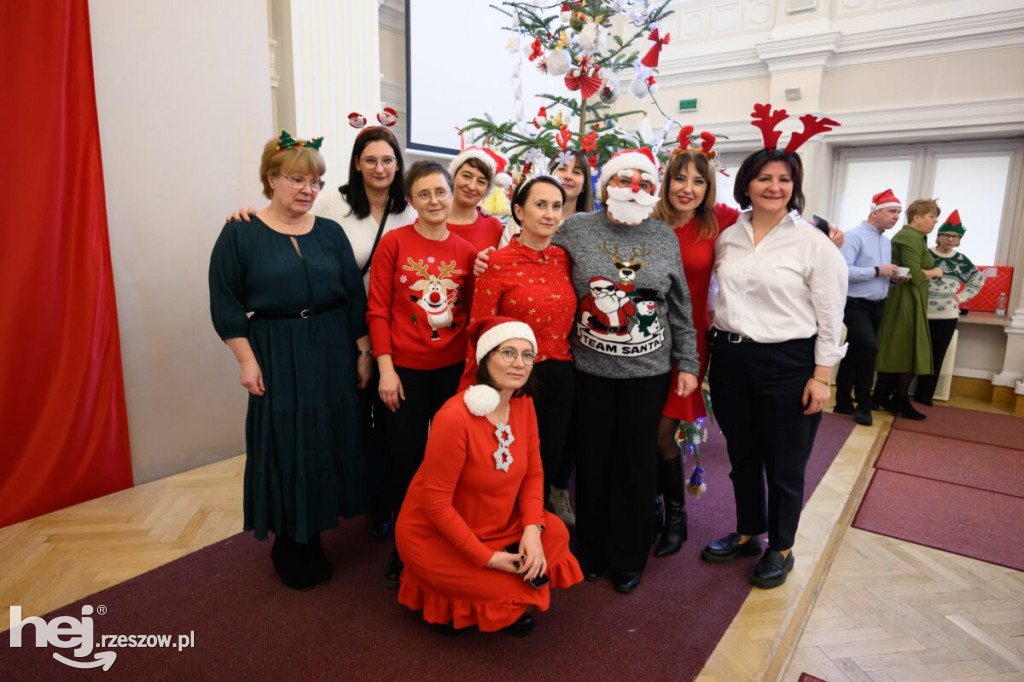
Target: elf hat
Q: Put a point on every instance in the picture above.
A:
(884, 200)
(953, 224)
(485, 335)
(628, 159)
(492, 159)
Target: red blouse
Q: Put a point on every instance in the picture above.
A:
(482, 233)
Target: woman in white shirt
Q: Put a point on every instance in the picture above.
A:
(779, 314)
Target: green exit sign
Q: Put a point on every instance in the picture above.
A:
(688, 104)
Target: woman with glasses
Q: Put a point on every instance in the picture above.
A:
(420, 283)
(528, 280)
(302, 354)
(479, 547)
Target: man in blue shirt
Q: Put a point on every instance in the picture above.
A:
(868, 255)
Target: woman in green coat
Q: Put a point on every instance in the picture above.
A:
(904, 343)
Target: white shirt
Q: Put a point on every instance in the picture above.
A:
(792, 285)
(361, 232)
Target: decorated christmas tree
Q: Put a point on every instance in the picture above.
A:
(588, 48)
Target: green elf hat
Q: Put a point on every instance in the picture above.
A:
(953, 225)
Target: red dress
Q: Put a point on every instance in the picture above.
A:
(460, 508)
(698, 259)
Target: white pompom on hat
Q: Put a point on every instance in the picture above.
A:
(492, 159)
(641, 159)
(485, 335)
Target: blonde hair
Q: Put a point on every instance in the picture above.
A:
(305, 160)
(922, 207)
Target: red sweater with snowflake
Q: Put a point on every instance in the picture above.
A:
(482, 233)
(417, 305)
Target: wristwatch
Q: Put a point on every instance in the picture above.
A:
(366, 353)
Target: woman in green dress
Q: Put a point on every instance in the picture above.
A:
(904, 342)
(288, 300)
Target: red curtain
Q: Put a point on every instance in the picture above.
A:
(64, 431)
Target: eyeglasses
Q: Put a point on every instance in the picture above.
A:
(425, 196)
(621, 181)
(387, 162)
(509, 355)
(298, 182)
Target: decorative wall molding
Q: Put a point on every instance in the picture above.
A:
(392, 16)
(799, 53)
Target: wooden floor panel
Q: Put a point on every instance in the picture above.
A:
(858, 607)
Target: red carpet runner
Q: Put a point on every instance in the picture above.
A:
(247, 626)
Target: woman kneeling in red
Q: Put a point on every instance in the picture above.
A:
(480, 492)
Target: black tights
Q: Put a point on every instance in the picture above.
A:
(893, 382)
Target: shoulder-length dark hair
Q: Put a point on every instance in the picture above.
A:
(354, 191)
(751, 168)
(707, 224)
(483, 377)
(585, 200)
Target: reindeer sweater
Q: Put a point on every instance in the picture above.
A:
(419, 299)
(634, 308)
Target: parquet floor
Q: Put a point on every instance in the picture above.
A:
(858, 606)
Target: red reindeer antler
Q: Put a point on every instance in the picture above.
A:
(707, 141)
(812, 126)
(767, 120)
(684, 137)
(563, 136)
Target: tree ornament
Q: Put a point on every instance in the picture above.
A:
(578, 21)
(558, 62)
(565, 14)
(650, 59)
(609, 92)
(593, 38)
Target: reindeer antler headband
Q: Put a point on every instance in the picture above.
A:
(286, 141)
(767, 120)
(701, 144)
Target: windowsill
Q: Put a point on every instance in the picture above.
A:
(979, 317)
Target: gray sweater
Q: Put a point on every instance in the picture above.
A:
(634, 312)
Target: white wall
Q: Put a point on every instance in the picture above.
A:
(183, 95)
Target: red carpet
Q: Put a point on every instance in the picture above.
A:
(975, 465)
(248, 627)
(961, 493)
(1002, 430)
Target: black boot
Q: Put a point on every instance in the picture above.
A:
(675, 532)
(289, 562)
(901, 406)
(319, 567)
(393, 570)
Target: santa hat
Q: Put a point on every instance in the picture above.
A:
(485, 335)
(492, 159)
(953, 224)
(601, 281)
(884, 200)
(628, 159)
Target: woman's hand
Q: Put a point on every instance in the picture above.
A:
(504, 561)
(252, 377)
(532, 548)
(391, 392)
(836, 236)
(364, 370)
(482, 258)
(241, 215)
(816, 394)
(686, 384)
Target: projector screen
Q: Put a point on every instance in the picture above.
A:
(459, 67)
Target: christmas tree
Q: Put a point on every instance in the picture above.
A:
(586, 47)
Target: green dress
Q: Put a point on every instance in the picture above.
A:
(304, 464)
(904, 342)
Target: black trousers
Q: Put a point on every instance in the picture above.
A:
(857, 370)
(556, 381)
(615, 434)
(942, 334)
(405, 430)
(757, 390)
(380, 507)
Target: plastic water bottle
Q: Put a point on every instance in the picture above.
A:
(1001, 305)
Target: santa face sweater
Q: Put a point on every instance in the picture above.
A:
(634, 312)
(420, 290)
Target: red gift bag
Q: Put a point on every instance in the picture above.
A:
(999, 283)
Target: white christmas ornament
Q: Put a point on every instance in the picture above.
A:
(558, 62)
(593, 38)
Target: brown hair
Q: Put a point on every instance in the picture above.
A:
(483, 377)
(478, 164)
(305, 160)
(704, 214)
(422, 169)
(522, 193)
(354, 190)
(751, 168)
(585, 200)
(921, 207)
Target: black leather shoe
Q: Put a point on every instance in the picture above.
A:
(924, 401)
(290, 563)
(626, 582)
(772, 569)
(881, 403)
(862, 415)
(675, 533)
(902, 408)
(591, 573)
(728, 548)
(393, 570)
(522, 627)
(843, 409)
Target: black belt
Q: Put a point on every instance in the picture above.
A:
(303, 314)
(731, 337)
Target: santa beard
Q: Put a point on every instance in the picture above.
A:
(629, 207)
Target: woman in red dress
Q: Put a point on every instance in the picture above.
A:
(688, 203)
(478, 547)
